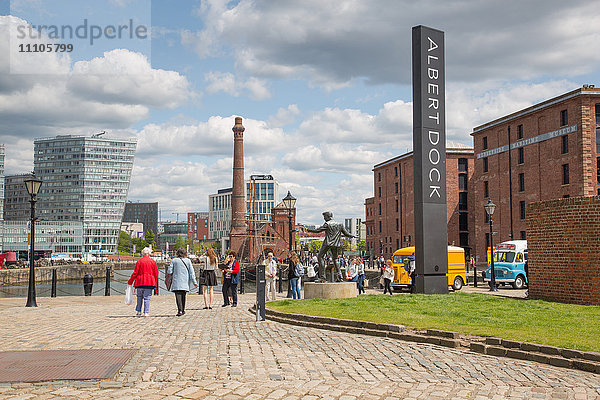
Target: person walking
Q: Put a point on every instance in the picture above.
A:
(388, 276)
(210, 277)
(183, 274)
(294, 274)
(231, 274)
(352, 271)
(270, 276)
(145, 276)
(360, 269)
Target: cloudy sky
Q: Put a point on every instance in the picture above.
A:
(324, 86)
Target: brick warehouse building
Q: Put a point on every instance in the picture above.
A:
(390, 213)
(547, 151)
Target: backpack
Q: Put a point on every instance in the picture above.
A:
(299, 270)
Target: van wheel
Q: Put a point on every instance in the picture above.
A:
(519, 282)
(458, 283)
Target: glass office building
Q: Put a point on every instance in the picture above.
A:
(261, 192)
(85, 179)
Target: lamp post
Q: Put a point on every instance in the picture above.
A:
(489, 209)
(33, 186)
(289, 201)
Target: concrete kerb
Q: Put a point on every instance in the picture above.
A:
(559, 357)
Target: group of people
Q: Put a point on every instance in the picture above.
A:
(183, 279)
(355, 272)
(295, 273)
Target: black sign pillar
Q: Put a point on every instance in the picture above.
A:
(260, 292)
(429, 149)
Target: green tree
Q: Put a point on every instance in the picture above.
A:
(315, 246)
(362, 245)
(140, 243)
(345, 244)
(125, 245)
(150, 238)
(180, 243)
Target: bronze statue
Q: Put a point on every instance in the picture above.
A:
(333, 242)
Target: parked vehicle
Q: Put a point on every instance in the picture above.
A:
(509, 264)
(456, 267)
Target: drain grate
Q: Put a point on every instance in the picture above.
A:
(53, 365)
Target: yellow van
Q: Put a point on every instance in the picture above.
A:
(456, 267)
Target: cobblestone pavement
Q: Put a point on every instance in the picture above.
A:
(224, 353)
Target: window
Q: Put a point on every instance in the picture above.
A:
(485, 164)
(379, 189)
(487, 240)
(396, 205)
(521, 182)
(564, 119)
(486, 189)
(598, 169)
(523, 235)
(520, 132)
(379, 226)
(522, 209)
(463, 239)
(462, 182)
(463, 221)
(598, 129)
(463, 165)
(379, 176)
(397, 243)
(396, 184)
(462, 201)
(565, 144)
(485, 143)
(397, 224)
(396, 171)
(379, 208)
(566, 196)
(565, 174)
(486, 218)
(521, 155)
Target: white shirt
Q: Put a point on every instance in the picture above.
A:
(270, 269)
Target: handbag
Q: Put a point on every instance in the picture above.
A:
(129, 295)
(310, 271)
(201, 278)
(168, 279)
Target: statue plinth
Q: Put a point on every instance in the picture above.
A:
(339, 290)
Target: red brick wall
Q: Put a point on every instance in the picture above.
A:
(542, 167)
(564, 250)
(399, 171)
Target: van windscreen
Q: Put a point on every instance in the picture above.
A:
(504, 256)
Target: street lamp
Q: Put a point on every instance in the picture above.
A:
(489, 209)
(289, 202)
(33, 186)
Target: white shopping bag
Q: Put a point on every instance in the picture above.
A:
(129, 294)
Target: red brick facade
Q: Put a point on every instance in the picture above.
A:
(197, 226)
(558, 159)
(564, 250)
(390, 213)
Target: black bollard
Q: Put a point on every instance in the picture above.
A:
(279, 272)
(107, 284)
(53, 290)
(88, 283)
(474, 276)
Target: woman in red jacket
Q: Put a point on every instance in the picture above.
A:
(145, 276)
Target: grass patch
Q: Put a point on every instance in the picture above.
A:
(554, 324)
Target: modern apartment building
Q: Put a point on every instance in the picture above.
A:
(146, 213)
(547, 151)
(261, 194)
(85, 179)
(17, 206)
(355, 227)
(219, 214)
(197, 225)
(389, 215)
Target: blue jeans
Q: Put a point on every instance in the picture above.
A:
(143, 295)
(295, 288)
(360, 283)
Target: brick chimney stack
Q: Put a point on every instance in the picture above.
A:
(238, 203)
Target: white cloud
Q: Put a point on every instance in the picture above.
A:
(228, 83)
(284, 116)
(333, 43)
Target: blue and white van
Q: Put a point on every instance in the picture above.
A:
(509, 264)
